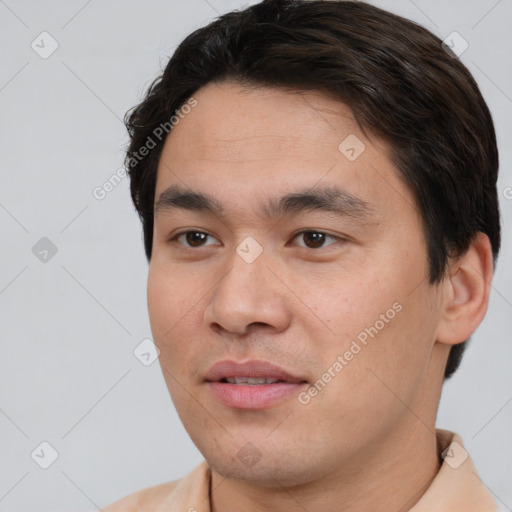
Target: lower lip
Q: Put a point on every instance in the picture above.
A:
(259, 396)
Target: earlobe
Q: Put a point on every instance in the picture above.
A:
(466, 292)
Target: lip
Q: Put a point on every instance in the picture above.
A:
(249, 396)
(252, 368)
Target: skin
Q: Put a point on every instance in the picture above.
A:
(366, 441)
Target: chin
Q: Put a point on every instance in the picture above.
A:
(269, 474)
(267, 465)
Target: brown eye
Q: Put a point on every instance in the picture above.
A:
(315, 239)
(195, 238)
(192, 239)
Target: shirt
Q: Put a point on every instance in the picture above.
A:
(456, 488)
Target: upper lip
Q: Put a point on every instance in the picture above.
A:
(252, 369)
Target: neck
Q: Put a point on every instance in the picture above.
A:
(391, 476)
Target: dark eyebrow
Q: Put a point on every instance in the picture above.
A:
(177, 197)
(327, 198)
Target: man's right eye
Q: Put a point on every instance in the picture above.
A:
(191, 239)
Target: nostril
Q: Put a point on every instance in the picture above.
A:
(258, 324)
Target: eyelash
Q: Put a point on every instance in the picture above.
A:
(337, 239)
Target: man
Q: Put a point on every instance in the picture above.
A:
(317, 187)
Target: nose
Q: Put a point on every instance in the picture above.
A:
(247, 298)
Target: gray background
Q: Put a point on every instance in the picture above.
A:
(68, 375)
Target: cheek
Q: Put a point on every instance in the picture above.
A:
(383, 318)
(159, 302)
(174, 313)
(170, 298)
(167, 312)
(398, 336)
(348, 302)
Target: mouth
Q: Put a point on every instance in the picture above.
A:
(251, 381)
(252, 384)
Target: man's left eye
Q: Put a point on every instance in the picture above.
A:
(315, 239)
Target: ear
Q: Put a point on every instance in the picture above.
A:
(466, 290)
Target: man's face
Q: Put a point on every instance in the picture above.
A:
(331, 288)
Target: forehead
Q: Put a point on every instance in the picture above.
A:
(263, 123)
(244, 144)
